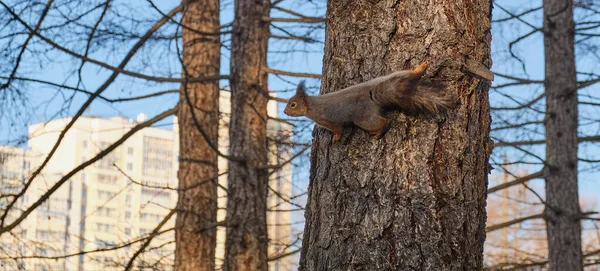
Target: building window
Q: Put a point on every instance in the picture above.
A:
(150, 217)
(84, 144)
(157, 157)
(104, 211)
(127, 215)
(41, 235)
(128, 231)
(156, 196)
(129, 166)
(40, 251)
(109, 160)
(130, 150)
(102, 227)
(104, 243)
(105, 195)
(107, 179)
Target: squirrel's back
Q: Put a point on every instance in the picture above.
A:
(401, 90)
(340, 106)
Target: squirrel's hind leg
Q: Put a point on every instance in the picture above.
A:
(375, 125)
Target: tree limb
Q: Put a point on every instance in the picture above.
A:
(512, 222)
(296, 74)
(521, 180)
(154, 233)
(294, 20)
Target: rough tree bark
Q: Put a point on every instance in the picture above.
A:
(195, 234)
(414, 200)
(246, 241)
(562, 211)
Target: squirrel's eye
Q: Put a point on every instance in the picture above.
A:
(292, 105)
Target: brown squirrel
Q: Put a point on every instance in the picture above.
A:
(365, 104)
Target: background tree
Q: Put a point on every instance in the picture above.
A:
(562, 213)
(198, 116)
(416, 198)
(524, 113)
(247, 241)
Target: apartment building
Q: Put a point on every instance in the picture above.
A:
(101, 206)
(14, 164)
(106, 207)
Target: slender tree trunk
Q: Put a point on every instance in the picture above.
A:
(414, 200)
(195, 234)
(246, 242)
(562, 211)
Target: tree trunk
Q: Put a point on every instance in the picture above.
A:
(246, 241)
(562, 211)
(195, 234)
(414, 200)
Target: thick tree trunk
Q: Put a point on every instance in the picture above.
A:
(562, 211)
(414, 200)
(246, 242)
(195, 234)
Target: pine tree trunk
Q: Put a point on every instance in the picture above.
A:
(195, 234)
(414, 200)
(246, 241)
(562, 211)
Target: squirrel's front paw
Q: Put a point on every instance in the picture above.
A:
(336, 138)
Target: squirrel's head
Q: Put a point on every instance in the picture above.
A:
(297, 105)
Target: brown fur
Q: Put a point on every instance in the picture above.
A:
(365, 104)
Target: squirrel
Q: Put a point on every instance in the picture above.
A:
(366, 103)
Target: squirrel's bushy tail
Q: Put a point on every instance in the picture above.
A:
(414, 98)
(428, 99)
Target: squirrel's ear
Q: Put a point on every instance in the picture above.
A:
(300, 90)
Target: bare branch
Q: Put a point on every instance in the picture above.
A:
(305, 39)
(24, 47)
(512, 222)
(172, 188)
(294, 20)
(519, 79)
(117, 247)
(517, 125)
(120, 69)
(515, 16)
(521, 106)
(296, 74)
(280, 165)
(291, 12)
(283, 255)
(521, 180)
(542, 141)
(154, 233)
(518, 17)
